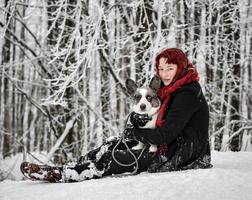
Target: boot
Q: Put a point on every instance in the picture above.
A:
(47, 173)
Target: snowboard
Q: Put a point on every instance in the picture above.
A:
(46, 173)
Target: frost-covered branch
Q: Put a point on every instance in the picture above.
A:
(32, 101)
(69, 125)
(227, 142)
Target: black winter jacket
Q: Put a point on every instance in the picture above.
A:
(185, 132)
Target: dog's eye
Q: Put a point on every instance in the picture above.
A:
(149, 98)
(138, 97)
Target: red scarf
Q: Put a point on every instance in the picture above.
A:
(164, 93)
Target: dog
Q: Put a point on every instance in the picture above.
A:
(145, 101)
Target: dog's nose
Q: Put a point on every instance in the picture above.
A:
(142, 106)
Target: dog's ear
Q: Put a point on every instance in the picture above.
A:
(155, 83)
(131, 86)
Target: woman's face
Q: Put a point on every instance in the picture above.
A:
(166, 71)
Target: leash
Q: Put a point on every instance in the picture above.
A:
(123, 140)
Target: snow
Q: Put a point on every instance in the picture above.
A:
(230, 178)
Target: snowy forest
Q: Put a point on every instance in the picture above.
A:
(63, 66)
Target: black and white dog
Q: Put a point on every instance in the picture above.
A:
(145, 101)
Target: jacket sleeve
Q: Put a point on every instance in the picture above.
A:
(184, 105)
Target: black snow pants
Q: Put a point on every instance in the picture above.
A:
(100, 162)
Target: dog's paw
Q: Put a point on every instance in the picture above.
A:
(136, 148)
(153, 148)
(139, 146)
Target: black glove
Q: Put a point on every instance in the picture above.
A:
(140, 136)
(139, 120)
(129, 132)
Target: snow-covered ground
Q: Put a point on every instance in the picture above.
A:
(230, 178)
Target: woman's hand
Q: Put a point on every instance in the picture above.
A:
(131, 133)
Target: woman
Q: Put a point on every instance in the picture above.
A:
(181, 133)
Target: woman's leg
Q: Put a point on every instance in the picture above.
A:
(100, 162)
(189, 154)
(108, 159)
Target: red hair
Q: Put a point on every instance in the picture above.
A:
(175, 56)
(186, 73)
